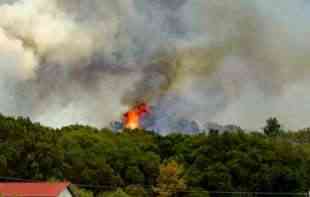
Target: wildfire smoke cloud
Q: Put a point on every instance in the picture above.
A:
(238, 62)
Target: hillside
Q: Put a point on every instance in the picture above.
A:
(144, 162)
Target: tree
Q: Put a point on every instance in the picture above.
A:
(170, 180)
(222, 161)
(196, 192)
(273, 127)
(80, 192)
(136, 191)
(117, 193)
(133, 175)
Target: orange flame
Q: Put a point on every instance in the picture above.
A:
(131, 119)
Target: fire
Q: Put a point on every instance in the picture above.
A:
(131, 119)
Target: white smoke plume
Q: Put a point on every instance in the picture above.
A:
(231, 61)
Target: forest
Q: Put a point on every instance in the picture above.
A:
(138, 163)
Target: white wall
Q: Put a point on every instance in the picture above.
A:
(65, 193)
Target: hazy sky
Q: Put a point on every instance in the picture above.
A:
(230, 61)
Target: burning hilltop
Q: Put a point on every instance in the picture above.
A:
(132, 118)
(152, 118)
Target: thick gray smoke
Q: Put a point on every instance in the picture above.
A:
(230, 61)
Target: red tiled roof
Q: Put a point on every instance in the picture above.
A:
(37, 189)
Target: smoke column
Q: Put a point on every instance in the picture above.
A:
(230, 61)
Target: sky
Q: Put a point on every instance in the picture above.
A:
(232, 61)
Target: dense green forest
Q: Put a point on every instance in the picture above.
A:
(144, 163)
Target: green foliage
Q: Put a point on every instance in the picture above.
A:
(117, 193)
(196, 192)
(80, 192)
(136, 191)
(273, 127)
(133, 175)
(140, 160)
(170, 180)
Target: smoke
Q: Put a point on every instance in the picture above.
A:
(233, 62)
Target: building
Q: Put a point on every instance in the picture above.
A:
(36, 189)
